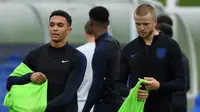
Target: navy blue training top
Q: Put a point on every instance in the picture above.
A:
(105, 64)
(64, 68)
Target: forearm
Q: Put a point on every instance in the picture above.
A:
(92, 97)
(18, 80)
(177, 84)
(68, 94)
(97, 83)
(122, 89)
(176, 70)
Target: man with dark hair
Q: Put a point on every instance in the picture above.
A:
(154, 57)
(88, 50)
(105, 64)
(165, 19)
(164, 28)
(179, 99)
(62, 14)
(57, 61)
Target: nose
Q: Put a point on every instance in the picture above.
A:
(55, 28)
(141, 27)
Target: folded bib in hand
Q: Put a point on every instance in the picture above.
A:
(29, 97)
(132, 103)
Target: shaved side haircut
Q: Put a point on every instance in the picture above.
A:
(144, 9)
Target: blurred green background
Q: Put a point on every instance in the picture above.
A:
(185, 2)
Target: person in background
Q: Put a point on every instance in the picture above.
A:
(88, 50)
(105, 64)
(165, 19)
(164, 28)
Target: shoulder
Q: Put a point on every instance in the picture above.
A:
(33, 55)
(81, 47)
(107, 46)
(36, 51)
(167, 40)
(111, 42)
(185, 59)
(76, 54)
(172, 42)
(131, 45)
(172, 45)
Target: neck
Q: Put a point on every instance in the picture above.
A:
(91, 41)
(148, 40)
(58, 44)
(90, 38)
(99, 33)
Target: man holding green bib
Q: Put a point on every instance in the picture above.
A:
(56, 64)
(154, 57)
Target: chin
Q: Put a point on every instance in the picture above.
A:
(56, 41)
(142, 36)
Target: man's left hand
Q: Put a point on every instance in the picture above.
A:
(151, 83)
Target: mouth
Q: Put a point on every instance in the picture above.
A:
(143, 33)
(55, 35)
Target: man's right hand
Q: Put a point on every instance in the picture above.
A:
(142, 94)
(38, 77)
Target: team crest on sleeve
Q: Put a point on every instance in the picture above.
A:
(161, 52)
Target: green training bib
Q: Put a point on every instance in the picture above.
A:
(132, 103)
(29, 97)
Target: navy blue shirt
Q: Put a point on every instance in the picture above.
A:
(105, 64)
(64, 68)
(161, 60)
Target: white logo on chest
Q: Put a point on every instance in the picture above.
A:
(65, 61)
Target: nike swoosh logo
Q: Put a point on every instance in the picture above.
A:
(133, 55)
(65, 61)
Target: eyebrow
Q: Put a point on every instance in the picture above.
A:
(142, 23)
(56, 23)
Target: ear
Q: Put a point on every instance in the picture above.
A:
(69, 30)
(85, 34)
(155, 21)
(158, 30)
